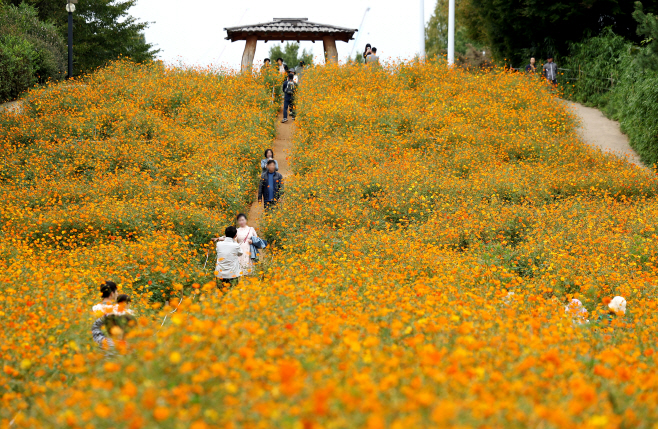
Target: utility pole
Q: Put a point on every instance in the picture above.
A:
(451, 32)
(70, 8)
(422, 29)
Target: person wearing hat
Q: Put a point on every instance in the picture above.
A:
(550, 70)
(577, 311)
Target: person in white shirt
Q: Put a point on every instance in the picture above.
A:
(228, 270)
(109, 292)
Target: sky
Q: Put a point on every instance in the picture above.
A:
(192, 32)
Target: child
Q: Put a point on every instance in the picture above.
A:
(123, 305)
(108, 294)
(116, 326)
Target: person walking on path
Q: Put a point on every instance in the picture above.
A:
(530, 68)
(228, 270)
(550, 70)
(269, 154)
(372, 59)
(271, 186)
(299, 71)
(288, 89)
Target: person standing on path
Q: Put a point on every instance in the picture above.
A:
(227, 270)
(245, 234)
(281, 64)
(288, 89)
(530, 68)
(269, 154)
(271, 186)
(550, 70)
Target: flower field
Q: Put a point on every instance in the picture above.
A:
(437, 223)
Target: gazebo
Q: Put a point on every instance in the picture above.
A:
(292, 29)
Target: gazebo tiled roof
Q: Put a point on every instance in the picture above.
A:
(289, 29)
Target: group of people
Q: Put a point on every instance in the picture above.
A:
(370, 56)
(549, 70)
(238, 249)
(114, 314)
(292, 79)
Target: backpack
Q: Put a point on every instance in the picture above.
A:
(290, 88)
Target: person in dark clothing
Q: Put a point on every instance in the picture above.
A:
(271, 186)
(530, 68)
(288, 89)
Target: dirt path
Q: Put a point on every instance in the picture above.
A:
(598, 131)
(282, 148)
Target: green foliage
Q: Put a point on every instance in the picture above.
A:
(30, 51)
(290, 54)
(436, 32)
(605, 72)
(519, 29)
(103, 30)
(647, 28)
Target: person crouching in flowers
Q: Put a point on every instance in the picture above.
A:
(227, 270)
(109, 292)
(616, 308)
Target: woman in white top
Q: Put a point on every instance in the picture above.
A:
(244, 240)
(109, 292)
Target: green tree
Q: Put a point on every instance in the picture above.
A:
(31, 51)
(436, 32)
(103, 30)
(290, 54)
(647, 28)
(518, 29)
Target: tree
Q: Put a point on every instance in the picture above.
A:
(290, 54)
(647, 28)
(31, 51)
(436, 32)
(518, 29)
(103, 30)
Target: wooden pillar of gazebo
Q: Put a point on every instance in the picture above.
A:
(249, 53)
(330, 51)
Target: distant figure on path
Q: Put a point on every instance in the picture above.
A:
(372, 59)
(271, 186)
(228, 270)
(367, 51)
(269, 154)
(299, 71)
(288, 89)
(530, 68)
(550, 70)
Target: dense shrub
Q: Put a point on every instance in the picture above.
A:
(30, 51)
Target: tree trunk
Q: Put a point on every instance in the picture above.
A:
(330, 51)
(249, 52)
